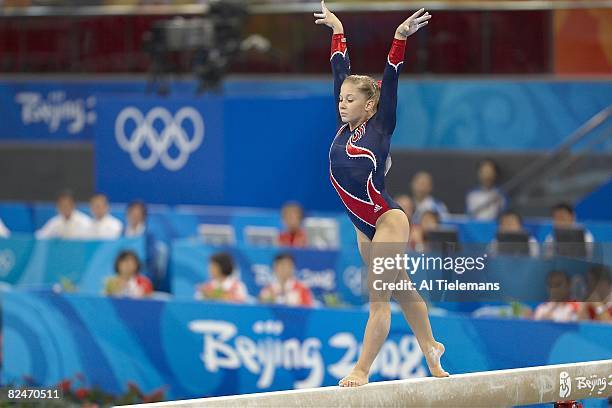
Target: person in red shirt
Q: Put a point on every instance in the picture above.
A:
(598, 303)
(286, 290)
(127, 280)
(223, 284)
(560, 307)
(293, 236)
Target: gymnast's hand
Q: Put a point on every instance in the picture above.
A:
(412, 24)
(329, 19)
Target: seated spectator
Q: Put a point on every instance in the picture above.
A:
(435, 237)
(598, 303)
(16, 3)
(559, 306)
(486, 201)
(564, 216)
(286, 290)
(422, 188)
(223, 283)
(123, 2)
(104, 225)
(136, 219)
(511, 222)
(156, 251)
(294, 236)
(406, 203)
(4, 232)
(69, 223)
(128, 280)
(430, 221)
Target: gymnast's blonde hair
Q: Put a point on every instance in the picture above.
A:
(367, 85)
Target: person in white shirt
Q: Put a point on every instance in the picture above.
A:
(69, 223)
(510, 221)
(564, 216)
(486, 201)
(136, 219)
(104, 225)
(4, 232)
(422, 187)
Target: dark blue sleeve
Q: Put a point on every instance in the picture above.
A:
(387, 105)
(341, 68)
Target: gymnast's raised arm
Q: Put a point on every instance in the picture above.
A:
(387, 105)
(339, 59)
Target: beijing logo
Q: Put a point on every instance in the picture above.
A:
(565, 384)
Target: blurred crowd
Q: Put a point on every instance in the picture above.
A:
(27, 3)
(428, 215)
(225, 285)
(70, 223)
(560, 306)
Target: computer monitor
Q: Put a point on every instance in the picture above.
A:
(322, 232)
(442, 239)
(217, 234)
(261, 235)
(513, 243)
(569, 242)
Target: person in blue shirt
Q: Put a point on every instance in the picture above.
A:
(486, 202)
(359, 159)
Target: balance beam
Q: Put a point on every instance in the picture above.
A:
(519, 386)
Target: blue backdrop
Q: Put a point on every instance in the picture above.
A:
(597, 204)
(154, 156)
(459, 114)
(26, 262)
(204, 349)
(256, 130)
(325, 272)
(523, 279)
(161, 151)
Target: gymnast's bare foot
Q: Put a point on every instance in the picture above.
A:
(432, 357)
(355, 378)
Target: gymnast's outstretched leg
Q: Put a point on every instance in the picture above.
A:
(390, 239)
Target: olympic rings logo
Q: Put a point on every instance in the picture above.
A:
(7, 262)
(159, 143)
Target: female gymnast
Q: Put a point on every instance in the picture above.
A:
(359, 160)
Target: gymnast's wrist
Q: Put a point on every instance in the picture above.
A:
(399, 35)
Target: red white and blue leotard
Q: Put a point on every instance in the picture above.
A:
(359, 160)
